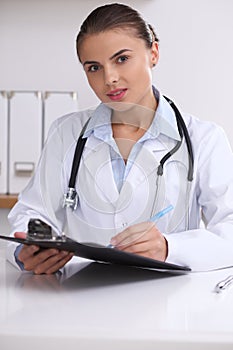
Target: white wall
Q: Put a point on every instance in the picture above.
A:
(37, 45)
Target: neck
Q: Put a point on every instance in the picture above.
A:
(138, 117)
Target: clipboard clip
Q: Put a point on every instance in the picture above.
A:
(39, 230)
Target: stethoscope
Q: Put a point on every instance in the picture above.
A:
(71, 196)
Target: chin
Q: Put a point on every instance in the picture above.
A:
(120, 106)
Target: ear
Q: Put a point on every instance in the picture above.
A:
(154, 53)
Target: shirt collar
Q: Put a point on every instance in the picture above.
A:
(164, 121)
(100, 123)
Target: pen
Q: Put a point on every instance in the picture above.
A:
(222, 285)
(161, 213)
(154, 218)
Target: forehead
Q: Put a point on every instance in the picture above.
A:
(105, 44)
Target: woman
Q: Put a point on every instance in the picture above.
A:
(122, 181)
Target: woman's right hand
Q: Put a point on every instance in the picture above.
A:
(42, 261)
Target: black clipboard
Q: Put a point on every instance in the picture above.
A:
(100, 253)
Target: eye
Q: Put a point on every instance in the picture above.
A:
(122, 59)
(93, 68)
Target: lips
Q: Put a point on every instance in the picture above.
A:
(117, 94)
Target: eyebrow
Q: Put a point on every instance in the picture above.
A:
(119, 53)
(111, 58)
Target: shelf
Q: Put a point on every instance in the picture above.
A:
(8, 201)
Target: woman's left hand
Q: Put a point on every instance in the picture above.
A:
(142, 239)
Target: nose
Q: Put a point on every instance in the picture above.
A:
(110, 76)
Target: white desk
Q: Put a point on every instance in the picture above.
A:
(109, 307)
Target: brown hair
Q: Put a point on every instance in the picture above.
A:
(113, 16)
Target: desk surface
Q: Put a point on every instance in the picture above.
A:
(99, 306)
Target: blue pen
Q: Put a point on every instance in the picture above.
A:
(161, 213)
(154, 218)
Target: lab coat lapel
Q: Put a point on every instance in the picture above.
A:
(142, 170)
(97, 162)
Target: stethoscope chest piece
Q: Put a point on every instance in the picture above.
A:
(70, 199)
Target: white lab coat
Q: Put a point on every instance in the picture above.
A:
(103, 211)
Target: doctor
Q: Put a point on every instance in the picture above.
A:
(135, 162)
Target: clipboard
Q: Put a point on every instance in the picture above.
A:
(100, 253)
